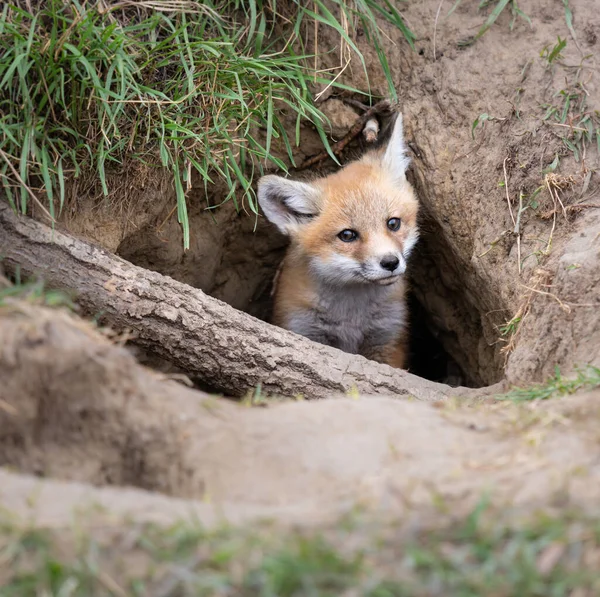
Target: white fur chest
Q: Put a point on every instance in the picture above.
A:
(354, 319)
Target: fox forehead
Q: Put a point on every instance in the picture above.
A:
(362, 195)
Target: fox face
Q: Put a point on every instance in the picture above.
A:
(355, 227)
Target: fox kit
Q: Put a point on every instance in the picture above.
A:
(342, 280)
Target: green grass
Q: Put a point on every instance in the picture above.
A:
(487, 558)
(551, 54)
(498, 7)
(189, 86)
(481, 554)
(569, 112)
(32, 291)
(586, 378)
(510, 327)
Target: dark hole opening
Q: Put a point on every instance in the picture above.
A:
(427, 355)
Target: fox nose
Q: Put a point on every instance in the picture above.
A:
(389, 262)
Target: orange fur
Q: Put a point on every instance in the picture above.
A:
(337, 292)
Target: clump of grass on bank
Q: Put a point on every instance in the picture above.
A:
(477, 555)
(587, 378)
(85, 86)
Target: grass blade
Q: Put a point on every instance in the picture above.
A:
(502, 4)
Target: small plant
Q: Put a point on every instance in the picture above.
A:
(551, 167)
(533, 203)
(554, 53)
(569, 18)
(499, 7)
(481, 120)
(587, 378)
(570, 114)
(510, 327)
(256, 397)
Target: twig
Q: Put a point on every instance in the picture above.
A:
(380, 107)
(9, 408)
(166, 219)
(517, 222)
(562, 205)
(355, 103)
(517, 229)
(554, 211)
(539, 278)
(554, 184)
(568, 126)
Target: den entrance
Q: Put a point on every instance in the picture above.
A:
(234, 259)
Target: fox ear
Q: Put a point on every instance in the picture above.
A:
(395, 158)
(287, 203)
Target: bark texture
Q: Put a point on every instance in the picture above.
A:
(225, 348)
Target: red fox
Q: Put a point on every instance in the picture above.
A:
(342, 280)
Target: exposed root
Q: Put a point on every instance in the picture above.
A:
(556, 183)
(569, 209)
(539, 279)
(512, 217)
(561, 304)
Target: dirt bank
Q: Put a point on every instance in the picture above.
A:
(97, 417)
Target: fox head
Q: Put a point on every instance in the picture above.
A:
(357, 226)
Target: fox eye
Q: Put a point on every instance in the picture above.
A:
(348, 235)
(394, 224)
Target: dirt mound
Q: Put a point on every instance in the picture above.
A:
(96, 417)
